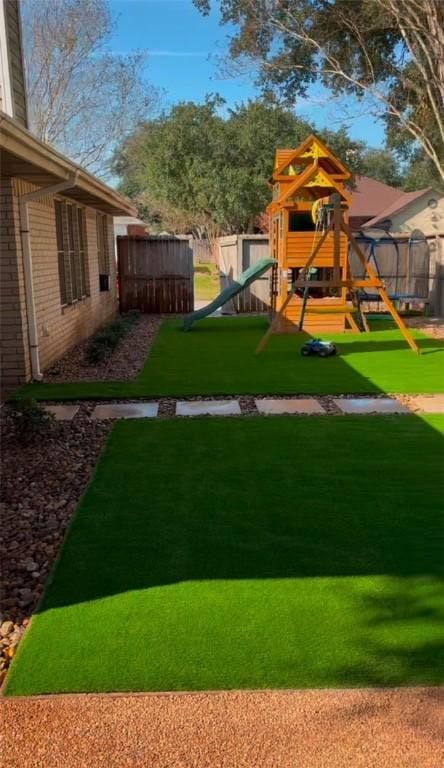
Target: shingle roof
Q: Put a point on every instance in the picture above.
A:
(377, 200)
(398, 205)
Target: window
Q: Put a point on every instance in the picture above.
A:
(301, 221)
(71, 251)
(103, 250)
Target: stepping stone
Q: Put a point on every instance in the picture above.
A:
(370, 405)
(63, 412)
(300, 405)
(125, 411)
(208, 408)
(431, 404)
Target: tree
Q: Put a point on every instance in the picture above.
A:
(190, 169)
(389, 53)
(168, 166)
(421, 173)
(81, 98)
(381, 164)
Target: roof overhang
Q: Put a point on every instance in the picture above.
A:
(28, 158)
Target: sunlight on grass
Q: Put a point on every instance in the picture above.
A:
(217, 358)
(249, 553)
(222, 634)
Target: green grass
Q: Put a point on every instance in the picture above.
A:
(206, 282)
(249, 553)
(217, 358)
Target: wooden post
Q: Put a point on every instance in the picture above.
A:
(336, 200)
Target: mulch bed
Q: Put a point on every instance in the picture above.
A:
(125, 363)
(42, 482)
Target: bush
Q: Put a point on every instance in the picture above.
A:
(106, 340)
(30, 418)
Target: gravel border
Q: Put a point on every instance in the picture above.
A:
(124, 364)
(43, 480)
(356, 728)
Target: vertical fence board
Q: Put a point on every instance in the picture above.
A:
(155, 274)
(236, 254)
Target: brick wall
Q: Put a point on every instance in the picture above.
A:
(59, 328)
(14, 359)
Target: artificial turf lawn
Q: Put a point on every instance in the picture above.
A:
(248, 553)
(217, 358)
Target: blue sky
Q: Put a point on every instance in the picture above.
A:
(184, 46)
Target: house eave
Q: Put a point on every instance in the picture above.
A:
(25, 156)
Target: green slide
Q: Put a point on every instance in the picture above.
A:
(246, 278)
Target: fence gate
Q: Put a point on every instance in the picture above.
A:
(155, 274)
(236, 254)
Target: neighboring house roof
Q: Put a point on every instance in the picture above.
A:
(25, 156)
(371, 197)
(399, 204)
(378, 201)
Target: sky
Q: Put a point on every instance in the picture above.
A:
(183, 49)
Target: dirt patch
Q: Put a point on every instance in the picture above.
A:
(42, 482)
(125, 363)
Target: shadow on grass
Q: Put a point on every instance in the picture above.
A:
(354, 502)
(402, 638)
(217, 358)
(258, 498)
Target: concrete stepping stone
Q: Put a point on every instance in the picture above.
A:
(370, 405)
(62, 412)
(429, 404)
(301, 405)
(125, 411)
(208, 408)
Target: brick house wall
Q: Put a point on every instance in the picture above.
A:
(59, 327)
(14, 357)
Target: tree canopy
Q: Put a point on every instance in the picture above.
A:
(382, 165)
(191, 168)
(388, 52)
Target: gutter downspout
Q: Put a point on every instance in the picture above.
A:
(61, 186)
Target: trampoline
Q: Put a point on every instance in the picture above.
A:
(401, 261)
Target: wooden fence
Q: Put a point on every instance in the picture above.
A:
(425, 277)
(236, 254)
(202, 252)
(155, 274)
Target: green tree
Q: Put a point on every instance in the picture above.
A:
(191, 169)
(420, 173)
(382, 165)
(389, 53)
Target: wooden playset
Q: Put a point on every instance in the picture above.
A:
(312, 288)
